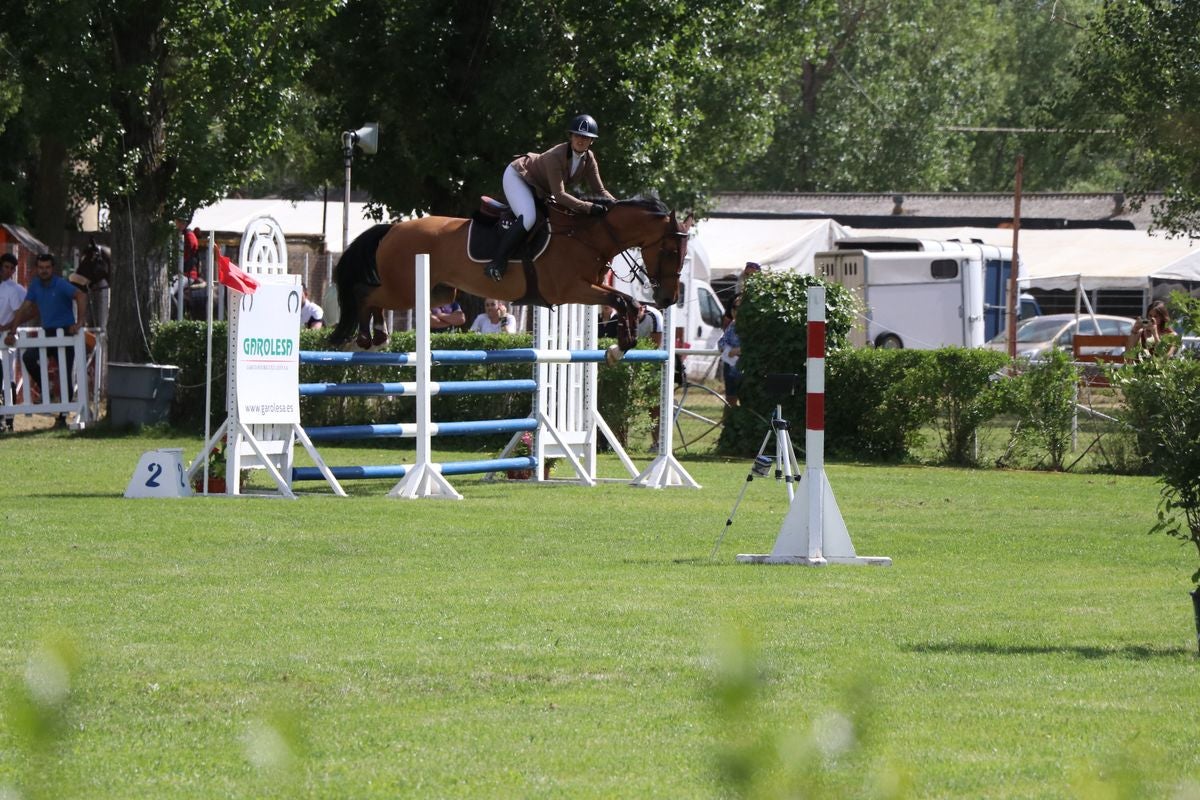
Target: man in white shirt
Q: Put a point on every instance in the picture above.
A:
(12, 295)
(494, 319)
(311, 314)
(650, 324)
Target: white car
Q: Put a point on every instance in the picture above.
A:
(1038, 334)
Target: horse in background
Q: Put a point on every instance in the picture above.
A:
(376, 271)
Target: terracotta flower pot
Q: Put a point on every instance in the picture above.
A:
(519, 474)
(216, 485)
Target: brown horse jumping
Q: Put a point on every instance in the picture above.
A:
(376, 271)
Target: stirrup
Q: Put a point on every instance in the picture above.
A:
(495, 271)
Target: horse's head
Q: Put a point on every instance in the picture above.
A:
(94, 265)
(663, 243)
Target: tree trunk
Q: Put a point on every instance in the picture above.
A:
(50, 200)
(138, 280)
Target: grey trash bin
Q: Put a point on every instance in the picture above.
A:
(140, 394)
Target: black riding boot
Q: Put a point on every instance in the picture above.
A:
(509, 242)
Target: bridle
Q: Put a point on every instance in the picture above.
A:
(640, 271)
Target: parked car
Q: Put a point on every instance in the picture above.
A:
(1038, 334)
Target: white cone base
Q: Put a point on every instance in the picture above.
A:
(665, 471)
(424, 481)
(832, 545)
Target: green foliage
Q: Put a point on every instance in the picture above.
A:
(1162, 399)
(1044, 397)
(1133, 91)
(866, 416)
(1185, 312)
(957, 389)
(772, 324)
(677, 88)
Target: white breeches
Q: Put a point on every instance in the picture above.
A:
(519, 196)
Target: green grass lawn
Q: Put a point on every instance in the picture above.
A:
(556, 641)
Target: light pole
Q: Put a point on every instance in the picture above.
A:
(367, 139)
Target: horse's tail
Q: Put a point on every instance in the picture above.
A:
(356, 267)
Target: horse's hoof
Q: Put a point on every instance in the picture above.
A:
(613, 354)
(363, 341)
(380, 338)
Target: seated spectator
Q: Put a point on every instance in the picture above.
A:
(494, 319)
(447, 317)
(311, 314)
(608, 323)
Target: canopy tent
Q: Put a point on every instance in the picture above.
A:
(1080, 258)
(295, 218)
(726, 244)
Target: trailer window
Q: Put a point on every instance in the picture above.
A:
(710, 309)
(943, 269)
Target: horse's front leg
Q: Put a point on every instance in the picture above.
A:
(627, 314)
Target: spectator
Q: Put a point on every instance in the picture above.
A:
(60, 304)
(12, 294)
(1146, 338)
(447, 317)
(608, 323)
(311, 314)
(191, 247)
(740, 287)
(650, 324)
(494, 319)
(731, 351)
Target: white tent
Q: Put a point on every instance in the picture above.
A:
(725, 244)
(299, 218)
(1087, 258)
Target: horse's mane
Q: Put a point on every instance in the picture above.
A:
(647, 202)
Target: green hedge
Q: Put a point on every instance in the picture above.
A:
(627, 392)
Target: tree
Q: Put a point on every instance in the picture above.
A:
(164, 104)
(1137, 88)
(916, 95)
(679, 88)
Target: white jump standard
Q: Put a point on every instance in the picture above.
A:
(813, 532)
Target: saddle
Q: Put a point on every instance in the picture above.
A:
(490, 222)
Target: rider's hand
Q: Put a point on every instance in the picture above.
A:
(597, 210)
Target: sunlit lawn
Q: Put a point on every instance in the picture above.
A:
(1030, 639)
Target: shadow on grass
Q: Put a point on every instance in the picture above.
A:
(1136, 651)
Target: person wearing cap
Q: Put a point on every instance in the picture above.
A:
(12, 295)
(535, 176)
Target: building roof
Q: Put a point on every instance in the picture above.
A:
(926, 210)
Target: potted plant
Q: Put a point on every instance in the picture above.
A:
(216, 470)
(523, 447)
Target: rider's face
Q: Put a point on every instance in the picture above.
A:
(580, 144)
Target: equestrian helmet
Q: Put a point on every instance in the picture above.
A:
(585, 125)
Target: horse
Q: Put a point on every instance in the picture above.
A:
(376, 271)
(95, 264)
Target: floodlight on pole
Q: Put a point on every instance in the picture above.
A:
(367, 140)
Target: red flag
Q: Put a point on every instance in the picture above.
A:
(234, 277)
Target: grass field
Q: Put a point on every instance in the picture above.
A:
(1030, 640)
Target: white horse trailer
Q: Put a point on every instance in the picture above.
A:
(921, 294)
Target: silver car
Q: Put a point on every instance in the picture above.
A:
(1038, 334)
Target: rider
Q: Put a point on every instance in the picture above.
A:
(549, 174)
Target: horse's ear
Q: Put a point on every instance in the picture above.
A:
(688, 222)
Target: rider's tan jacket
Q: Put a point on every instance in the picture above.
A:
(547, 174)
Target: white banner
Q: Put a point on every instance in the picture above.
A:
(268, 355)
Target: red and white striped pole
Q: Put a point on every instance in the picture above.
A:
(814, 422)
(813, 532)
